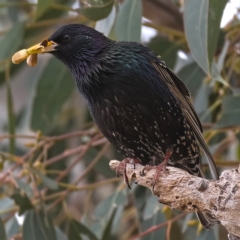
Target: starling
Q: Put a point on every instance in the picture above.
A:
(138, 103)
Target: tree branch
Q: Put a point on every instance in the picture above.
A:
(193, 194)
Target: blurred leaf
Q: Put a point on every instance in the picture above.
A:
(105, 25)
(202, 25)
(215, 12)
(11, 117)
(11, 41)
(166, 49)
(97, 12)
(59, 234)
(2, 231)
(76, 229)
(195, 22)
(156, 219)
(38, 226)
(24, 186)
(206, 235)
(22, 201)
(192, 75)
(230, 112)
(54, 88)
(12, 227)
(42, 6)
(118, 198)
(48, 182)
(152, 206)
(5, 203)
(108, 228)
(128, 22)
(216, 75)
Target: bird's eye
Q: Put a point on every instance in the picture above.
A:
(66, 38)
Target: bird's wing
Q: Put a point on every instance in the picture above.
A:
(180, 91)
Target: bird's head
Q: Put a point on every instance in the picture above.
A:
(76, 44)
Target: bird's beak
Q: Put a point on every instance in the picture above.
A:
(31, 53)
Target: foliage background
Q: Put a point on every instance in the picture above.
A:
(55, 181)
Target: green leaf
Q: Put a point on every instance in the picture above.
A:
(166, 49)
(24, 186)
(105, 25)
(38, 226)
(76, 229)
(48, 182)
(11, 41)
(128, 22)
(215, 12)
(202, 25)
(118, 198)
(42, 6)
(206, 235)
(54, 88)
(5, 203)
(59, 234)
(156, 219)
(22, 201)
(230, 112)
(192, 75)
(97, 12)
(108, 228)
(152, 206)
(2, 231)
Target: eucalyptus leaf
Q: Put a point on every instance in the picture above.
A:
(202, 26)
(230, 112)
(11, 41)
(54, 88)
(48, 182)
(108, 228)
(2, 231)
(22, 200)
(38, 226)
(97, 12)
(128, 22)
(192, 75)
(42, 6)
(77, 229)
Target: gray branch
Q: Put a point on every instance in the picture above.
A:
(193, 194)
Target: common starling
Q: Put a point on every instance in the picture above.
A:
(138, 103)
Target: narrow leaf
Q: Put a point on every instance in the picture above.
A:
(230, 112)
(97, 12)
(42, 6)
(11, 41)
(48, 182)
(38, 226)
(108, 228)
(215, 12)
(128, 22)
(22, 201)
(2, 231)
(53, 90)
(76, 229)
(196, 23)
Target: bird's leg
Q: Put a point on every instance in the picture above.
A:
(159, 168)
(122, 168)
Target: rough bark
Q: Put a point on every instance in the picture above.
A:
(180, 190)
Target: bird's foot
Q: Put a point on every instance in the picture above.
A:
(122, 168)
(159, 168)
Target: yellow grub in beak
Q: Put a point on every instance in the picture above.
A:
(31, 53)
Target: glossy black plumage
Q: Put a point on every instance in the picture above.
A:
(138, 103)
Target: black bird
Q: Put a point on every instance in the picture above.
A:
(138, 103)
